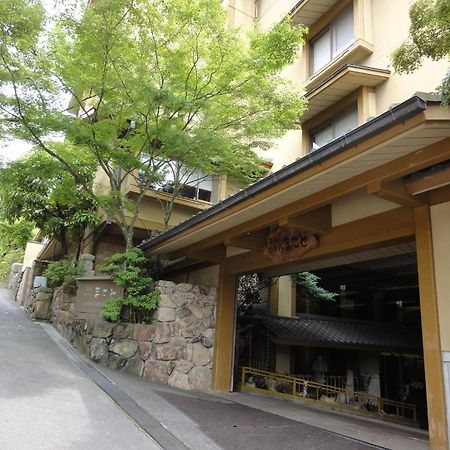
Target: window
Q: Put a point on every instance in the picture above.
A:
(333, 40)
(334, 128)
(192, 184)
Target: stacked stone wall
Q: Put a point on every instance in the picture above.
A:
(175, 349)
(14, 279)
(38, 303)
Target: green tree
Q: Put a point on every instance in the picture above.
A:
(429, 37)
(309, 283)
(150, 82)
(36, 188)
(130, 271)
(14, 236)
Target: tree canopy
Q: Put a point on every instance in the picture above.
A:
(429, 37)
(37, 189)
(149, 82)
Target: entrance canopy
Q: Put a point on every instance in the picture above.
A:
(351, 196)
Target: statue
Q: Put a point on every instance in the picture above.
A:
(319, 368)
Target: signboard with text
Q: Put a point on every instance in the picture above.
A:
(286, 244)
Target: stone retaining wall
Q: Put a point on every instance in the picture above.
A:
(14, 279)
(175, 349)
(38, 304)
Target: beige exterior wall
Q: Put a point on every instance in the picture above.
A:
(32, 251)
(390, 27)
(440, 222)
(208, 276)
(383, 24)
(357, 206)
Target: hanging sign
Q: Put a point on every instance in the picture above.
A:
(285, 244)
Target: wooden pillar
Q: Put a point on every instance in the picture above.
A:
(430, 331)
(225, 328)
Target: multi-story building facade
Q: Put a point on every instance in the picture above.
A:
(363, 176)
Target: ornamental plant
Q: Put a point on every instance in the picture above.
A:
(63, 273)
(129, 270)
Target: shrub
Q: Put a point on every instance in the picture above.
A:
(7, 260)
(63, 273)
(130, 270)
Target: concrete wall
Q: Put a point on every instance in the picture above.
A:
(32, 251)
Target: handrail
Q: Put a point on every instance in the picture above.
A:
(332, 396)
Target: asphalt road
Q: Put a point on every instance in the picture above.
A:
(46, 402)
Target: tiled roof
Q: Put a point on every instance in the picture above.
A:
(321, 330)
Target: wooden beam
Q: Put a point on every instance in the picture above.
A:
(214, 254)
(420, 159)
(391, 226)
(223, 356)
(405, 165)
(250, 241)
(317, 221)
(429, 182)
(394, 191)
(437, 418)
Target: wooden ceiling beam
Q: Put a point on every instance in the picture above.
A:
(429, 182)
(250, 241)
(394, 191)
(420, 159)
(391, 226)
(214, 254)
(317, 221)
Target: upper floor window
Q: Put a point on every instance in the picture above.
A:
(333, 40)
(172, 175)
(336, 127)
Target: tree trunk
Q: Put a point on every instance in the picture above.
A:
(63, 239)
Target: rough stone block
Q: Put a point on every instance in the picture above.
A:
(98, 350)
(102, 329)
(179, 380)
(184, 287)
(158, 370)
(166, 314)
(177, 342)
(201, 355)
(144, 350)
(166, 302)
(134, 366)
(121, 331)
(200, 378)
(125, 348)
(116, 362)
(174, 329)
(144, 332)
(163, 283)
(44, 296)
(166, 352)
(42, 310)
(162, 333)
(184, 366)
(183, 313)
(196, 310)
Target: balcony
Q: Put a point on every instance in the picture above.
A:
(307, 12)
(131, 189)
(338, 85)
